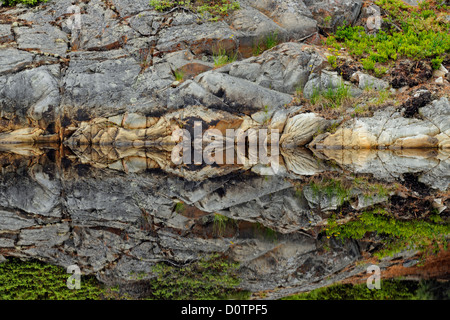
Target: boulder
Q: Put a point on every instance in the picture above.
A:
(300, 129)
(243, 96)
(331, 14)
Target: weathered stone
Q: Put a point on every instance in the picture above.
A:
(191, 93)
(301, 162)
(385, 129)
(327, 80)
(35, 192)
(42, 38)
(252, 189)
(338, 11)
(438, 113)
(300, 129)
(101, 29)
(27, 135)
(322, 200)
(419, 141)
(134, 121)
(6, 243)
(389, 165)
(253, 27)
(143, 23)
(5, 33)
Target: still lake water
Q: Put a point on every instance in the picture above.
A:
(117, 212)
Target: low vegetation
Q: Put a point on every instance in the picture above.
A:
(213, 9)
(418, 33)
(209, 278)
(33, 280)
(426, 235)
(11, 3)
(395, 289)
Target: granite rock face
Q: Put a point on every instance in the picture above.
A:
(117, 89)
(337, 11)
(62, 70)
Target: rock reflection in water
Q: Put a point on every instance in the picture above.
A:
(113, 212)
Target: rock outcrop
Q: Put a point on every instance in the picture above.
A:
(389, 129)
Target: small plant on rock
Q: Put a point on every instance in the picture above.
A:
(222, 58)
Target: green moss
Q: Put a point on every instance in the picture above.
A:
(415, 33)
(398, 235)
(32, 280)
(395, 289)
(209, 278)
(180, 207)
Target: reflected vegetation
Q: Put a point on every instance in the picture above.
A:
(133, 220)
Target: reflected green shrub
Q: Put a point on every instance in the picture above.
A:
(33, 280)
(207, 279)
(397, 235)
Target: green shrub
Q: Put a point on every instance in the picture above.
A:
(222, 58)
